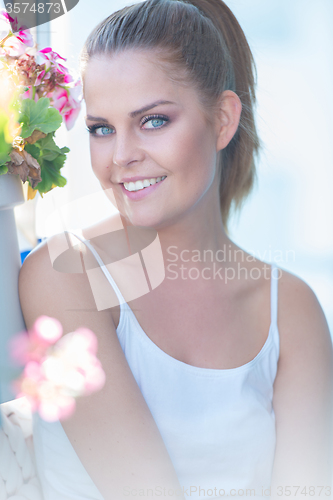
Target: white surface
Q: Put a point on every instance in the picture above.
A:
(11, 319)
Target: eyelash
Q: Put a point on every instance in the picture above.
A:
(92, 128)
(155, 117)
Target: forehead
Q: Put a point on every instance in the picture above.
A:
(132, 77)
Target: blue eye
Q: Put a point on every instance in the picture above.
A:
(156, 121)
(103, 130)
(99, 130)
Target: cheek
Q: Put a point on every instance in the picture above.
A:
(99, 160)
(195, 152)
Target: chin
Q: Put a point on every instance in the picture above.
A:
(150, 219)
(142, 220)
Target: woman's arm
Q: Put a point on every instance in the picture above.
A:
(303, 392)
(112, 431)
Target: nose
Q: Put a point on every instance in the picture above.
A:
(126, 149)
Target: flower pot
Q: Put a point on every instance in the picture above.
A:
(11, 319)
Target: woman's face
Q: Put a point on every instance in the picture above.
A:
(144, 126)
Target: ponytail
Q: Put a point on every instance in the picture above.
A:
(204, 45)
(237, 163)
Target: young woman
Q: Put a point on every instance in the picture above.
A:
(219, 370)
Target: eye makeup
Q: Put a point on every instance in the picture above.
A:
(92, 129)
(153, 118)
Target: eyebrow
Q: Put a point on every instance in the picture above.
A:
(133, 114)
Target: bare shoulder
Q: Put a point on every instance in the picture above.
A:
(63, 291)
(303, 388)
(53, 281)
(49, 287)
(304, 380)
(301, 319)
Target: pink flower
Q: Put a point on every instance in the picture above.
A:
(68, 78)
(32, 346)
(54, 70)
(51, 58)
(4, 16)
(26, 38)
(40, 78)
(60, 99)
(12, 22)
(50, 54)
(28, 94)
(57, 368)
(67, 100)
(12, 25)
(70, 117)
(46, 331)
(13, 47)
(61, 407)
(23, 32)
(17, 44)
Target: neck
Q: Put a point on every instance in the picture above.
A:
(198, 231)
(194, 235)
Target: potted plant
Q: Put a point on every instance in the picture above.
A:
(37, 94)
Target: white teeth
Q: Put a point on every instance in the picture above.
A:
(138, 185)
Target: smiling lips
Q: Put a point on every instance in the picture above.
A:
(142, 184)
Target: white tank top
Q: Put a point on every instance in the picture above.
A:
(218, 425)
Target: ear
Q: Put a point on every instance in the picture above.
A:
(230, 109)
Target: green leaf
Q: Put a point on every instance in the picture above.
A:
(51, 175)
(50, 150)
(33, 150)
(5, 147)
(38, 115)
(51, 160)
(58, 162)
(3, 169)
(4, 158)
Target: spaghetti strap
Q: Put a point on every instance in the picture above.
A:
(102, 266)
(274, 293)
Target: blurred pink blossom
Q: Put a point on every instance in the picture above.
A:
(17, 43)
(12, 22)
(51, 58)
(32, 345)
(67, 100)
(13, 47)
(25, 37)
(49, 79)
(28, 94)
(57, 368)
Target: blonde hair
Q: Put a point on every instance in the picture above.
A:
(204, 46)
